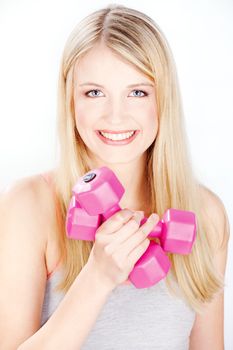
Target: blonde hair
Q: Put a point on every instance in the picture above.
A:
(171, 180)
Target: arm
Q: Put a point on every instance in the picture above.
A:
(208, 329)
(73, 319)
(23, 274)
(22, 264)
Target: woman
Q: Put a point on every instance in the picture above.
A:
(117, 77)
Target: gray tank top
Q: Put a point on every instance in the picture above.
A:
(132, 319)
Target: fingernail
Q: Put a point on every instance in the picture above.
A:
(138, 216)
(127, 213)
(153, 217)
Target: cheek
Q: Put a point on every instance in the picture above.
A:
(85, 113)
(151, 119)
(83, 118)
(151, 125)
(147, 111)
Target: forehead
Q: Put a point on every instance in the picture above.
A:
(101, 64)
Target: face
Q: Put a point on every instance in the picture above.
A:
(114, 107)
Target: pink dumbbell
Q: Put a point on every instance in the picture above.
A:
(153, 265)
(89, 197)
(176, 231)
(79, 224)
(148, 270)
(99, 192)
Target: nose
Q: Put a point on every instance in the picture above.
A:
(116, 113)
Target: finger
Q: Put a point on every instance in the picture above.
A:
(115, 222)
(130, 235)
(128, 229)
(135, 239)
(114, 240)
(137, 252)
(150, 224)
(139, 236)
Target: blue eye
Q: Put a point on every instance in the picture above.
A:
(90, 91)
(145, 94)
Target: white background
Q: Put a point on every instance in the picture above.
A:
(200, 33)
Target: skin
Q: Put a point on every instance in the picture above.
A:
(116, 107)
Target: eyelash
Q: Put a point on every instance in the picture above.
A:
(145, 93)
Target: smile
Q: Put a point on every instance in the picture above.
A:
(117, 138)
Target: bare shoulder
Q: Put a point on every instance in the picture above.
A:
(216, 216)
(20, 202)
(33, 199)
(29, 192)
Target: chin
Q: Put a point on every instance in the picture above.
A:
(118, 159)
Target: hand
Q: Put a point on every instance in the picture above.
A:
(119, 242)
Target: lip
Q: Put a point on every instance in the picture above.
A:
(116, 132)
(118, 142)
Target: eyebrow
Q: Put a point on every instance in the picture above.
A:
(129, 86)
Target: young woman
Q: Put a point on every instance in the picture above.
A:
(117, 77)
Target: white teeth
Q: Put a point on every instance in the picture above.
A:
(116, 137)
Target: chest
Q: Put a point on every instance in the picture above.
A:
(143, 319)
(149, 318)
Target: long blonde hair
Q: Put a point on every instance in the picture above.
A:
(171, 180)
